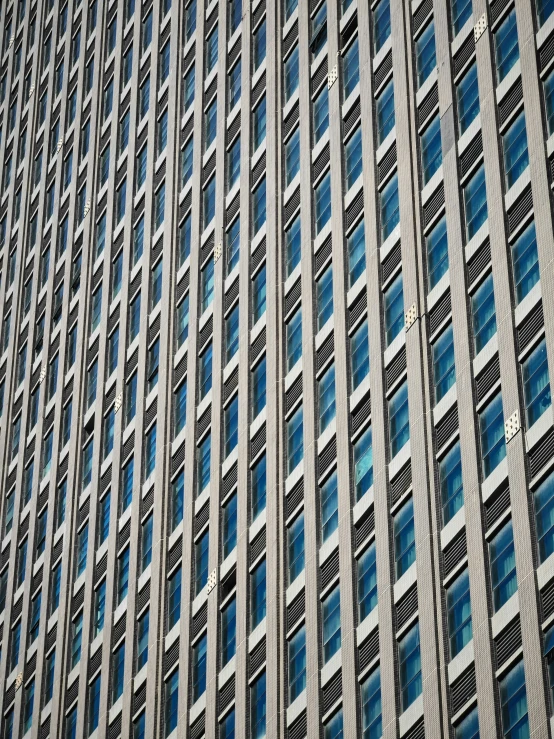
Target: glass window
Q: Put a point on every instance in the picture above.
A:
(431, 150)
(293, 245)
(183, 321)
(292, 156)
(404, 538)
(367, 581)
(536, 384)
(295, 545)
(324, 297)
(437, 252)
(190, 19)
(103, 519)
(258, 593)
(399, 428)
(127, 484)
(322, 198)
(351, 68)
(233, 164)
(153, 365)
(460, 13)
(207, 280)
(34, 618)
(291, 74)
(232, 246)
(174, 598)
(229, 525)
(326, 398)
(138, 241)
(549, 102)
(259, 294)
(144, 98)
(231, 426)
(516, 155)
(544, 513)
(143, 627)
(363, 463)
(359, 355)
(259, 44)
(475, 203)
(321, 113)
(319, 30)
(410, 667)
(117, 672)
(451, 484)
(468, 727)
(99, 609)
(122, 575)
(258, 707)
(458, 605)
(258, 388)
(506, 49)
(188, 92)
(484, 314)
(205, 372)
(82, 546)
(526, 262)
(187, 162)
(185, 237)
(177, 500)
(171, 700)
(295, 442)
(329, 498)
(258, 123)
(381, 23)
(355, 244)
(425, 53)
(93, 705)
(389, 208)
(258, 207)
(228, 631)
(371, 706)
(332, 728)
(232, 333)
(211, 123)
(491, 429)
(297, 663)
(394, 309)
(503, 566)
(353, 157)
(146, 542)
(165, 56)
(467, 97)
(444, 373)
(330, 616)
(294, 338)
(203, 463)
(180, 412)
(211, 50)
(513, 703)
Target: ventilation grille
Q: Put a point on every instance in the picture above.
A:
(520, 209)
(368, 650)
(396, 368)
(463, 689)
(428, 105)
(354, 211)
(434, 205)
(327, 456)
(447, 426)
(547, 601)
(361, 414)
(479, 262)
(465, 53)
(298, 729)
(199, 621)
(510, 102)
(295, 497)
(497, 506)
(257, 547)
(229, 481)
(455, 552)
(486, 380)
(401, 483)
(293, 394)
(541, 454)
(352, 117)
(296, 610)
(406, 607)
(384, 69)
(330, 569)
(364, 528)
(331, 692)
(321, 163)
(357, 310)
(257, 657)
(508, 642)
(416, 732)
(528, 329)
(226, 694)
(323, 254)
(440, 312)
(325, 352)
(471, 155)
(387, 163)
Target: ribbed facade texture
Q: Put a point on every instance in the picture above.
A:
(276, 323)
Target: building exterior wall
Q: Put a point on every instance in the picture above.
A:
(58, 64)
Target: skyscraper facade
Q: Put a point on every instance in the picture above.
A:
(276, 323)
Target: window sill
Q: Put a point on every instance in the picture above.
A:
(412, 714)
(505, 615)
(460, 662)
(367, 626)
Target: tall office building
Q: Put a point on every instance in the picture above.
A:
(276, 318)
